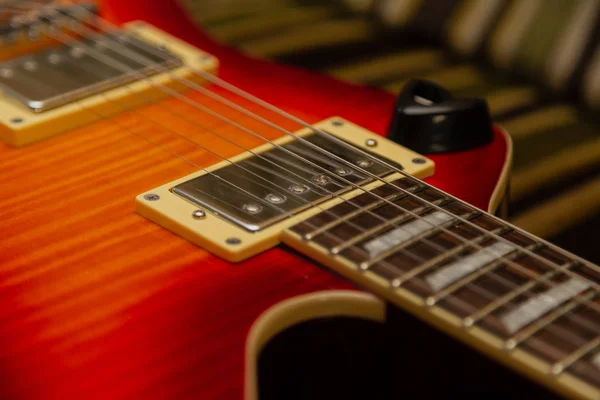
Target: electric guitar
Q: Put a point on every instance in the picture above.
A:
(171, 209)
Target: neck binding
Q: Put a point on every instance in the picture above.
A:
(468, 272)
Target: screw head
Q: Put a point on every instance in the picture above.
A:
(233, 241)
(419, 160)
(297, 188)
(16, 120)
(199, 214)
(371, 143)
(337, 123)
(252, 208)
(151, 197)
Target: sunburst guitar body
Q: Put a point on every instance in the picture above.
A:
(130, 268)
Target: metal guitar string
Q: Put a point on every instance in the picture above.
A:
(275, 109)
(420, 199)
(240, 92)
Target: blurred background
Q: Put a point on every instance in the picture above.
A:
(537, 62)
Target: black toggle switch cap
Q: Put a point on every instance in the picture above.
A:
(428, 119)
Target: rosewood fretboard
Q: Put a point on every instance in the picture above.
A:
(488, 274)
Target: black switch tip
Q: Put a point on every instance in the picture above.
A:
(428, 119)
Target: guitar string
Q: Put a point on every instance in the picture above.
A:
(420, 199)
(228, 86)
(238, 91)
(497, 237)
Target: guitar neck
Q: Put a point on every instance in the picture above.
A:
(516, 297)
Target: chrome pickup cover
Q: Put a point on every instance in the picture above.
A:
(64, 74)
(266, 188)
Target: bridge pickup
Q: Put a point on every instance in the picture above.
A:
(79, 69)
(239, 207)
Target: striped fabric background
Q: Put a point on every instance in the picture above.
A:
(536, 61)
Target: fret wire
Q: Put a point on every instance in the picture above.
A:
(397, 282)
(419, 237)
(488, 309)
(248, 96)
(560, 366)
(546, 261)
(314, 233)
(461, 283)
(370, 232)
(541, 323)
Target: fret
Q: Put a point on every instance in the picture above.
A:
(340, 210)
(564, 335)
(511, 254)
(403, 236)
(485, 288)
(534, 323)
(469, 264)
(373, 231)
(560, 366)
(522, 313)
(491, 307)
(444, 256)
(406, 235)
(324, 228)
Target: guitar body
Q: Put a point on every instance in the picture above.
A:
(98, 302)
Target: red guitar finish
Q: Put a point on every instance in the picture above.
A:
(172, 321)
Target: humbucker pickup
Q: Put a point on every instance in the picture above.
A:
(61, 75)
(82, 80)
(240, 206)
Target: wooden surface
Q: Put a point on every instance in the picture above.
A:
(96, 301)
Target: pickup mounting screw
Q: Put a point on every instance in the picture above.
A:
(16, 120)
(233, 240)
(151, 197)
(371, 143)
(199, 214)
(337, 123)
(419, 160)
